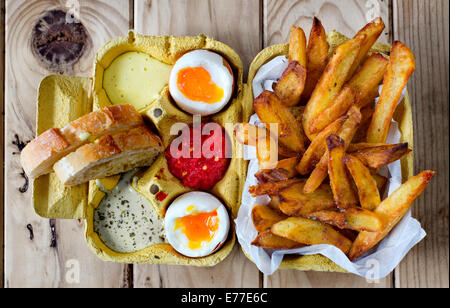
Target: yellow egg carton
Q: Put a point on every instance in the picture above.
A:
(62, 99)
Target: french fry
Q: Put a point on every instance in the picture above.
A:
(269, 240)
(316, 57)
(340, 106)
(290, 87)
(391, 211)
(380, 156)
(264, 217)
(310, 232)
(274, 203)
(355, 147)
(381, 181)
(368, 78)
(285, 169)
(271, 188)
(369, 195)
(369, 100)
(346, 133)
(267, 152)
(248, 134)
(352, 218)
(341, 185)
(297, 112)
(318, 146)
(401, 66)
(297, 46)
(293, 202)
(366, 118)
(270, 110)
(371, 32)
(331, 81)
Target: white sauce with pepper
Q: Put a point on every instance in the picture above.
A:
(126, 221)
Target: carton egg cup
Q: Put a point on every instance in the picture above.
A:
(62, 99)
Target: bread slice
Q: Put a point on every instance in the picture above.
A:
(109, 155)
(39, 156)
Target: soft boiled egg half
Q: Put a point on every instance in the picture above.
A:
(201, 82)
(196, 224)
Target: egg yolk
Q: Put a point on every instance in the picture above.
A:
(195, 83)
(198, 228)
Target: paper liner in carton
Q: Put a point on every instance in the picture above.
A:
(54, 201)
(402, 115)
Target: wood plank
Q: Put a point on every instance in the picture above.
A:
(56, 247)
(236, 23)
(2, 126)
(346, 16)
(423, 26)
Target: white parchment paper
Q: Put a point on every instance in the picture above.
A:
(375, 264)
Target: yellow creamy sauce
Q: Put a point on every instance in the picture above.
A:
(125, 221)
(135, 78)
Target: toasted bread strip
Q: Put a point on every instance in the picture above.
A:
(108, 156)
(39, 156)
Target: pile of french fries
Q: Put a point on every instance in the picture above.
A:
(331, 138)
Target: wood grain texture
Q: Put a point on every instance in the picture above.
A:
(346, 16)
(236, 23)
(233, 22)
(56, 247)
(424, 27)
(2, 127)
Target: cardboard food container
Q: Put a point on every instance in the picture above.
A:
(402, 115)
(62, 99)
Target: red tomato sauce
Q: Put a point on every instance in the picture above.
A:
(200, 173)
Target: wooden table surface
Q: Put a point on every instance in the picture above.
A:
(247, 26)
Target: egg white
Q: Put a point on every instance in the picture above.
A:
(202, 202)
(220, 75)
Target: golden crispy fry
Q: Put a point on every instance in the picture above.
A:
(269, 240)
(401, 66)
(340, 106)
(270, 110)
(331, 82)
(340, 182)
(368, 78)
(267, 152)
(264, 217)
(297, 112)
(346, 133)
(352, 218)
(316, 57)
(379, 156)
(293, 202)
(297, 46)
(371, 32)
(284, 170)
(271, 188)
(381, 181)
(248, 134)
(369, 100)
(366, 118)
(310, 232)
(369, 195)
(355, 147)
(291, 84)
(274, 203)
(318, 146)
(391, 211)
